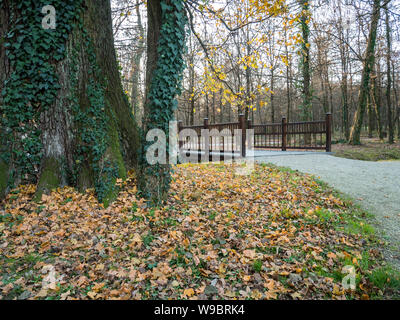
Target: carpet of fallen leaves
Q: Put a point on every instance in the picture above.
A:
(220, 236)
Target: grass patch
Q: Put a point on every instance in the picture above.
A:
(369, 150)
(384, 277)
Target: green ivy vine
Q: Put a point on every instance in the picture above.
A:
(33, 84)
(304, 64)
(91, 124)
(165, 84)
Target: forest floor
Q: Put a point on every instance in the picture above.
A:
(272, 234)
(375, 186)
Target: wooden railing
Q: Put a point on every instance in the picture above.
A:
(311, 135)
(219, 141)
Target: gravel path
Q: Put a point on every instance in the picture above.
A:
(373, 185)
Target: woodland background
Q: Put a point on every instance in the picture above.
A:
(261, 63)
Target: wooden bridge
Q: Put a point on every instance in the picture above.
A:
(222, 141)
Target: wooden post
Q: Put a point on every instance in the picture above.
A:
(242, 125)
(249, 124)
(180, 125)
(284, 134)
(206, 141)
(328, 132)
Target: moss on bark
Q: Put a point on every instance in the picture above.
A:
(115, 149)
(85, 178)
(87, 134)
(49, 179)
(3, 178)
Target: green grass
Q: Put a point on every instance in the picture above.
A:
(257, 265)
(385, 277)
(369, 151)
(357, 221)
(359, 227)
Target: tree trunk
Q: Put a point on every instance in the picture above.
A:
(272, 95)
(305, 62)
(371, 117)
(192, 85)
(165, 46)
(135, 92)
(67, 120)
(365, 77)
(221, 107)
(4, 74)
(344, 81)
(192, 109)
(213, 107)
(389, 79)
(207, 109)
(378, 97)
(396, 100)
(323, 73)
(288, 82)
(374, 97)
(345, 106)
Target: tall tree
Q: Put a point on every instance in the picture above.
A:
(137, 57)
(375, 101)
(369, 61)
(389, 76)
(343, 48)
(64, 119)
(288, 79)
(396, 100)
(165, 45)
(305, 60)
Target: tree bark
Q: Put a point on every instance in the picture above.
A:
(396, 103)
(135, 92)
(371, 117)
(305, 63)
(344, 82)
(368, 65)
(375, 101)
(389, 78)
(4, 74)
(288, 81)
(378, 97)
(154, 20)
(165, 46)
(87, 136)
(272, 96)
(192, 74)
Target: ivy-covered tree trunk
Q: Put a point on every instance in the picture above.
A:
(64, 119)
(4, 73)
(365, 77)
(305, 62)
(165, 46)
